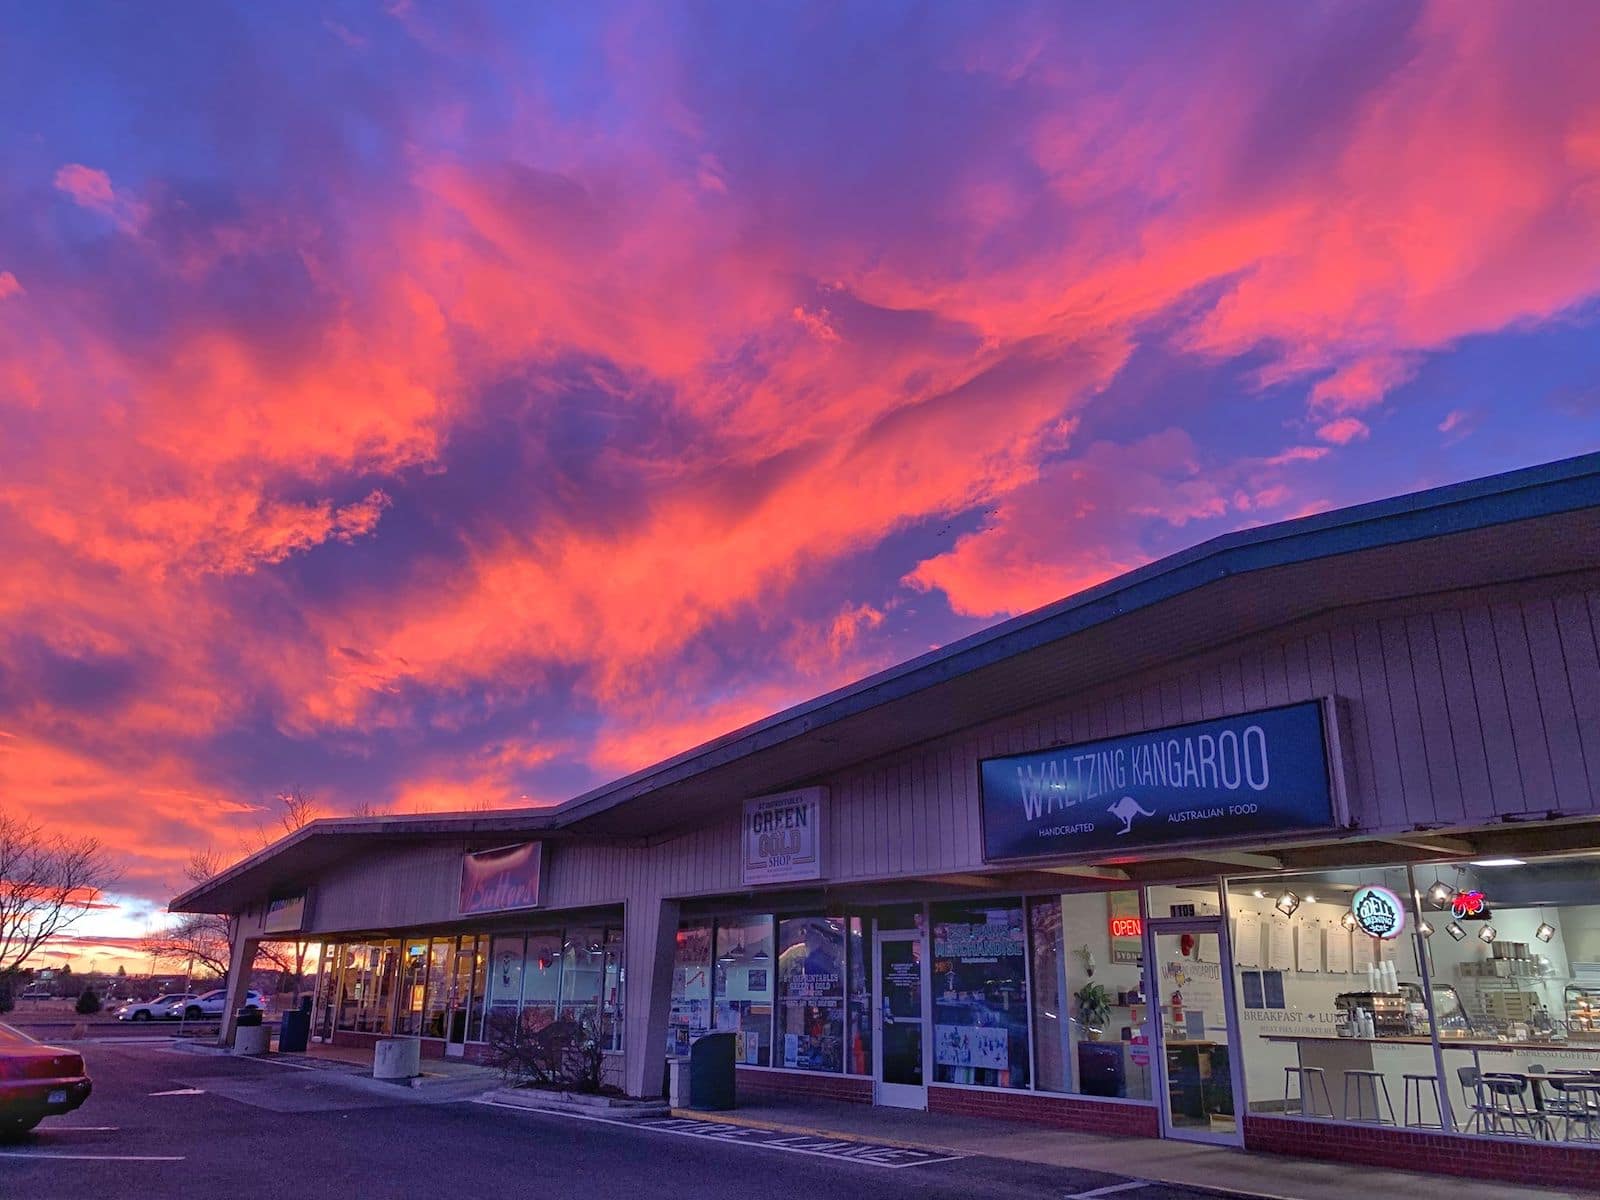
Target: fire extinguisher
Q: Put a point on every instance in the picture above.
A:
(1177, 1007)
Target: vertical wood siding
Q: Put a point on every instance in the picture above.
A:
(1458, 716)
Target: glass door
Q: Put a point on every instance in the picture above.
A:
(458, 1002)
(1193, 1009)
(900, 1047)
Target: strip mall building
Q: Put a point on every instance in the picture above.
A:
(1290, 841)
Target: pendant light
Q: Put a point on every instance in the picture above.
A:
(1455, 930)
(1286, 903)
(1546, 931)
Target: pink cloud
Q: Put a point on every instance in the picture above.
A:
(1343, 431)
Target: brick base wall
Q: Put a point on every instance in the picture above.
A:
(1057, 1112)
(755, 1085)
(1547, 1164)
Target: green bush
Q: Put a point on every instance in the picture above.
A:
(88, 1002)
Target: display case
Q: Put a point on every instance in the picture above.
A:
(1582, 1008)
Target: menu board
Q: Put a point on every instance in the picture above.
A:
(1360, 953)
(1308, 948)
(1337, 947)
(1247, 940)
(1280, 945)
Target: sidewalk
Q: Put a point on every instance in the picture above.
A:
(1162, 1161)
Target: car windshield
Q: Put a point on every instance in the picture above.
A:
(14, 1037)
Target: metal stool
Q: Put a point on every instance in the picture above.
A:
(1310, 1078)
(1367, 1083)
(1578, 1104)
(1414, 1083)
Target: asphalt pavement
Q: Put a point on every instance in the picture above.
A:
(176, 1124)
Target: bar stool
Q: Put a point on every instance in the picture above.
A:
(1576, 1101)
(1415, 1083)
(1367, 1083)
(1309, 1079)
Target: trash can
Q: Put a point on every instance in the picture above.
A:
(711, 1075)
(294, 1030)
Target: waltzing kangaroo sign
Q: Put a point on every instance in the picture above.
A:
(1260, 773)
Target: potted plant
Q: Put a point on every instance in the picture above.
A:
(1094, 1008)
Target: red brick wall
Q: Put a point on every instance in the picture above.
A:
(1058, 1112)
(1546, 1164)
(754, 1085)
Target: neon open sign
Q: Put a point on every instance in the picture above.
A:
(1127, 927)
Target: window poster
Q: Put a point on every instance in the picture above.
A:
(1308, 948)
(1247, 940)
(1280, 945)
(1337, 946)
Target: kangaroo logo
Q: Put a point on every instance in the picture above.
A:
(1125, 810)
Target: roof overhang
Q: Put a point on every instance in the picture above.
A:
(1505, 529)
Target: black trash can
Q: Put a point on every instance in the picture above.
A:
(294, 1030)
(711, 1072)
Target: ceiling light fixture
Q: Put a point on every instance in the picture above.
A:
(1498, 862)
(1286, 903)
(1348, 920)
(1487, 934)
(1427, 929)
(1455, 930)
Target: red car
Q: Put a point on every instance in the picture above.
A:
(36, 1081)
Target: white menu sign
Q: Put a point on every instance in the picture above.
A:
(783, 837)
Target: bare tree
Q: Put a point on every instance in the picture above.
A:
(47, 882)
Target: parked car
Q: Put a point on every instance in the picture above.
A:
(36, 1081)
(153, 1010)
(212, 1004)
(36, 991)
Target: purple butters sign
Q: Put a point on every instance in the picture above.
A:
(495, 880)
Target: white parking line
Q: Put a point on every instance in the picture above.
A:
(80, 1129)
(1109, 1190)
(95, 1157)
(816, 1146)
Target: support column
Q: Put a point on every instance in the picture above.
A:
(241, 962)
(649, 937)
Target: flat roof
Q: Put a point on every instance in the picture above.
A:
(1520, 524)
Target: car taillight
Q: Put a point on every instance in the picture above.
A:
(68, 1064)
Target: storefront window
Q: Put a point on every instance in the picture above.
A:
(744, 982)
(690, 1014)
(980, 995)
(505, 978)
(541, 981)
(811, 969)
(380, 1013)
(475, 950)
(858, 1049)
(582, 968)
(1327, 984)
(436, 988)
(412, 986)
(332, 975)
(1515, 969)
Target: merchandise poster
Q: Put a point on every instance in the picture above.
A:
(1272, 988)
(1250, 985)
(791, 1049)
(1360, 953)
(985, 1047)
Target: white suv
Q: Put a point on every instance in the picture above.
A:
(212, 1004)
(152, 1010)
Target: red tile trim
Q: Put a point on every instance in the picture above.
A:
(1039, 1108)
(754, 1085)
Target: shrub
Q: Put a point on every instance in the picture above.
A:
(88, 1002)
(562, 1054)
(8, 997)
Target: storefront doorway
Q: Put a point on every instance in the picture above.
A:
(1199, 1092)
(900, 1040)
(459, 1001)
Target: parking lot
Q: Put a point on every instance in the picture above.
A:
(169, 1122)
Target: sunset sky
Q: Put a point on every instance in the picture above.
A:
(455, 405)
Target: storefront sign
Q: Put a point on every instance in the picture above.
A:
(497, 880)
(285, 914)
(1378, 911)
(1126, 927)
(1258, 774)
(783, 837)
